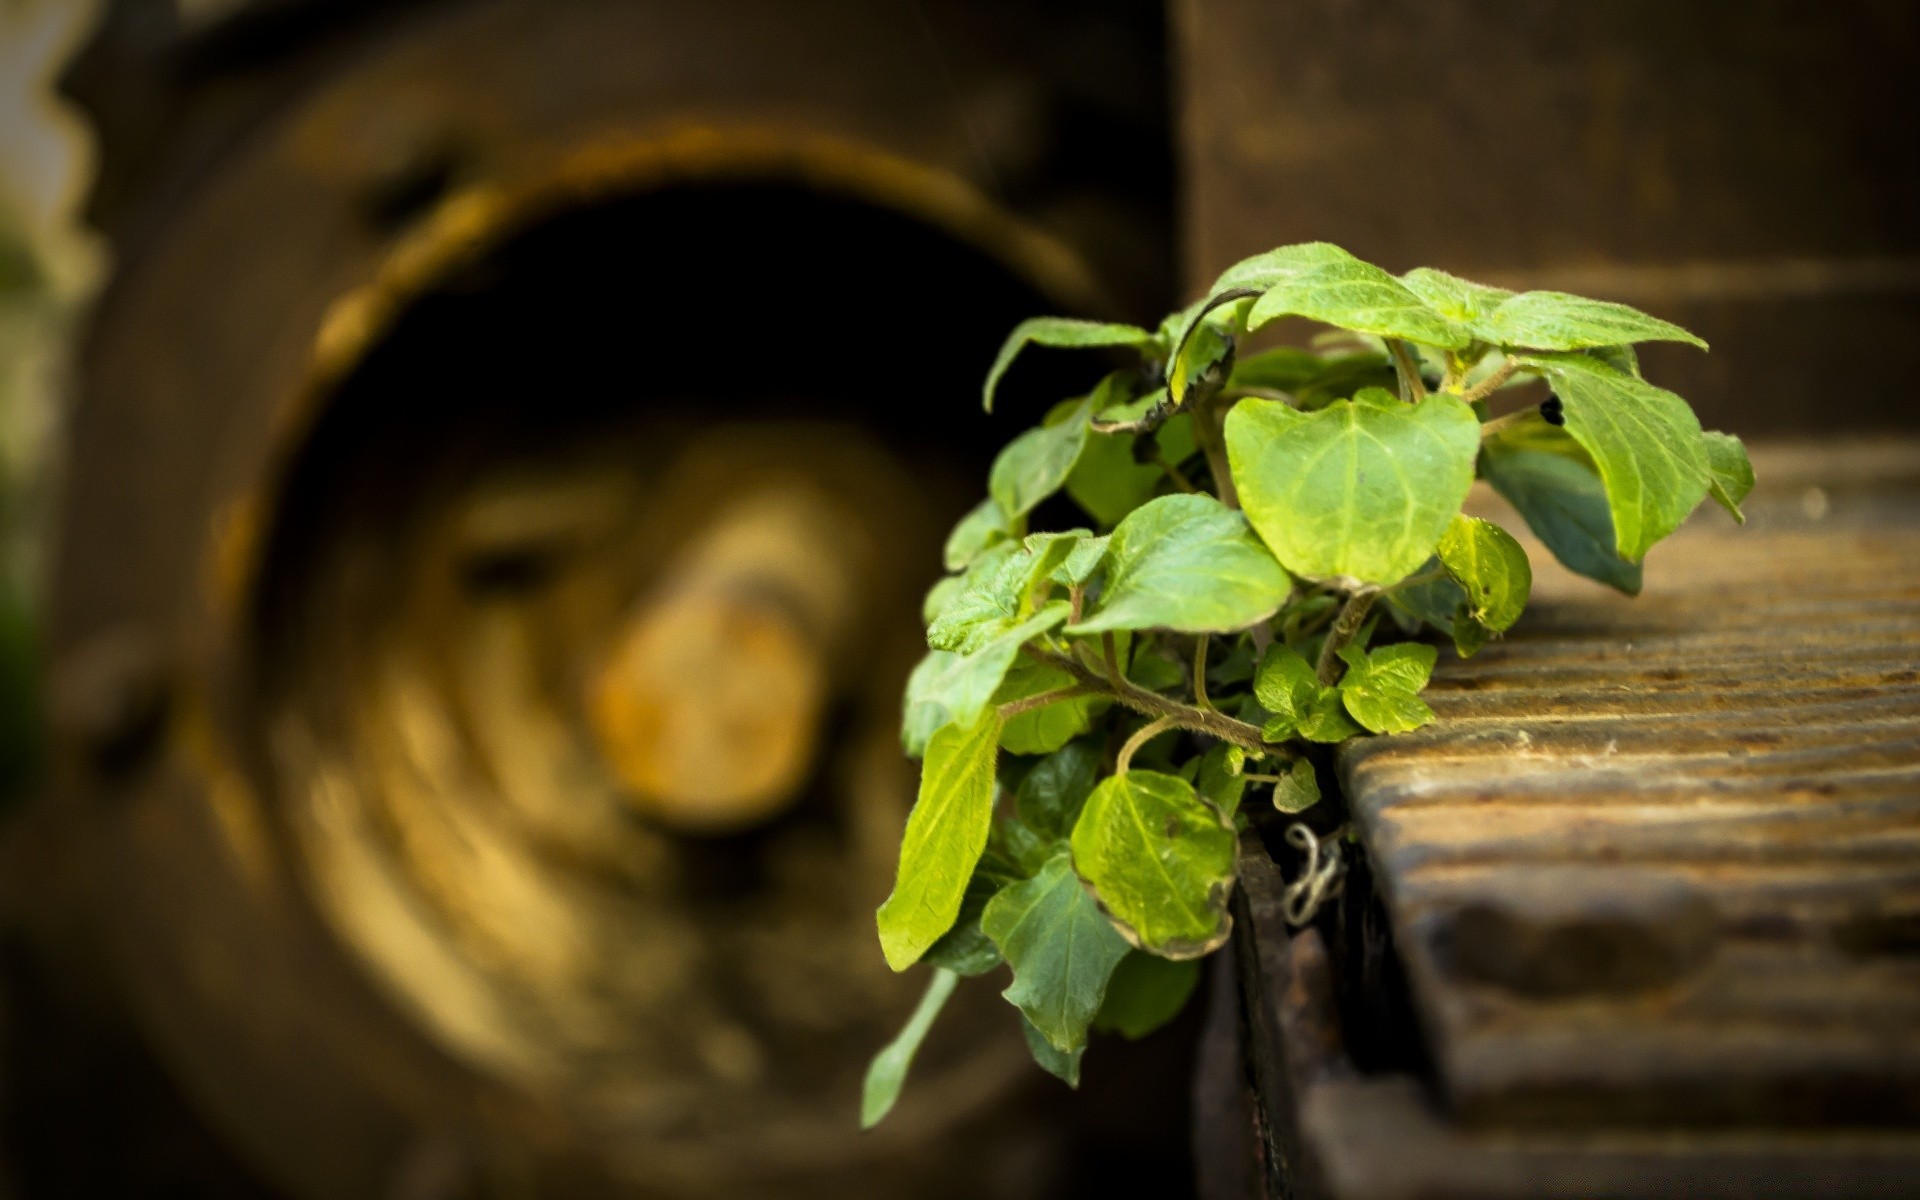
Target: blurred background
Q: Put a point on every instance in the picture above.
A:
(436, 434)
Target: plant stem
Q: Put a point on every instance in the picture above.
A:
(1200, 673)
(1492, 383)
(1146, 733)
(1111, 656)
(1152, 704)
(1413, 389)
(1353, 614)
(1490, 428)
(1209, 425)
(1014, 708)
(1174, 473)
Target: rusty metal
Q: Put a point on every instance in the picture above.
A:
(411, 893)
(1653, 875)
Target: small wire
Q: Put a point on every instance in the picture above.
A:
(1322, 879)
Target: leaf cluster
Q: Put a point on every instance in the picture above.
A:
(1265, 534)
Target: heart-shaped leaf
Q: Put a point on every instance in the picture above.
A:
(1187, 563)
(1160, 859)
(1359, 491)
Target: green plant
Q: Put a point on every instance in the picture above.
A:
(1095, 708)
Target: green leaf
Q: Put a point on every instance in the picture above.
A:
(1205, 359)
(1064, 1067)
(964, 684)
(1287, 688)
(1043, 730)
(1036, 464)
(1282, 370)
(1279, 265)
(1050, 797)
(1557, 321)
(1382, 689)
(1160, 859)
(1066, 332)
(1146, 992)
(941, 594)
(1729, 474)
(1327, 721)
(1492, 568)
(1186, 563)
(977, 532)
(1109, 483)
(924, 712)
(1298, 789)
(1362, 489)
(946, 831)
(1081, 562)
(1460, 300)
(1644, 440)
(889, 1068)
(1360, 297)
(999, 597)
(966, 950)
(1220, 779)
(1623, 359)
(1547, 476)
(1061, 948)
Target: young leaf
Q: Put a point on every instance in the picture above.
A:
(1549, 478)
(978, 531)
(1204, 360)
(998, 597)
(1492, 568)
(946, 831)
(1081, 562)
(1382, 689)
(1057, 331)
(1360, 490)
(1187, 563)
(1729, 474)
(1064, 1067)
(964, 684)
(1061, 948)
(889, 1068)
(1287, 688)
(1360, 297)
(1298, 789)
(1034, 465)
(1644, 440)
(1459, 300)
(1050, 797)
(1146, 992)
(1557, 321)
(1160, 859)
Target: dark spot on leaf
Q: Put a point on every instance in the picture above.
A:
(1552, 411)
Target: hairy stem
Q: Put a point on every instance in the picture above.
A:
(1200, 673)
(1492, 383)
(1352, 616)
(1490, 428)
(1152, 704)
(1146, 733)
(1014, 708)
(1413, 389)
